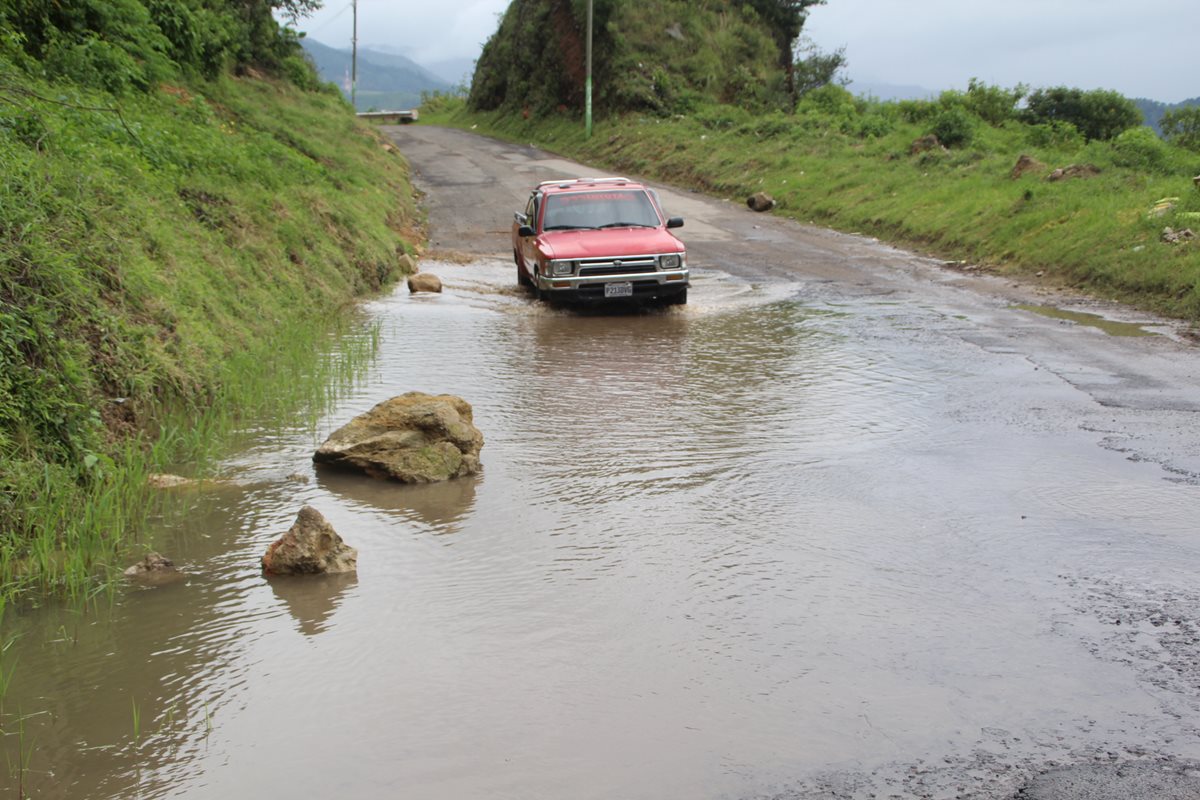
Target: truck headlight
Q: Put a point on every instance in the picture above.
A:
(562, 268)
(670, 262)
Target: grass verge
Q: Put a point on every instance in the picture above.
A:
(170, 262)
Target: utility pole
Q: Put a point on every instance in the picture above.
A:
(354, 56)
(587, 112)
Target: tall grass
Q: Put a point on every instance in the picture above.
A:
(81, 534)
(163, 278)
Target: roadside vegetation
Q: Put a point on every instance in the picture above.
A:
(185, 216)
(937, 175)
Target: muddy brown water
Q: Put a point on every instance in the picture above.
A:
(774, 544)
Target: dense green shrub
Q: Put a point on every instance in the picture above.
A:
(917, 111)
(1098, 114)
(1056, 134)
(954, 126)
(993, 104)
(1182, 127)
(123, 45)
(1140, 148)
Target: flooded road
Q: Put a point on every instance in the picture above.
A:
(847, 525)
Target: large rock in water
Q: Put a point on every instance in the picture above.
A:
(424, 282)
(413, 438)
(310, 547)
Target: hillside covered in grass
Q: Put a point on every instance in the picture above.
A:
(935, 174)
(180, 201)
(663, 56)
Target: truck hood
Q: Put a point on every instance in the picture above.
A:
(608, 243)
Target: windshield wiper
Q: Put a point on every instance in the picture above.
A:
(568, 228)
(627, 225)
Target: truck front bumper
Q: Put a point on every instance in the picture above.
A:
(591, 288)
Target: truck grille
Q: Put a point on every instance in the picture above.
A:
(617, 266)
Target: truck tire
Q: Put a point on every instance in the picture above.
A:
(522, 278)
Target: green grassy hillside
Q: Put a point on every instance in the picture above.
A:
(717, 95)
(665, 57)
(174, 222)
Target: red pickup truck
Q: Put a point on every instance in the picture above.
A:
(597, 240)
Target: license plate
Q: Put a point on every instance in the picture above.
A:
(618, 289)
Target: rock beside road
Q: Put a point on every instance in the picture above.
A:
(310, 547)
(413, 438)
(424, 282)
(760, 201)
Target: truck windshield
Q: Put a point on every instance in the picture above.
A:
(606, 209)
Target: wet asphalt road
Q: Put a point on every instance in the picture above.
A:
(1136, 396)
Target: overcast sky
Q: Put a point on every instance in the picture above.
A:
(1149, 48)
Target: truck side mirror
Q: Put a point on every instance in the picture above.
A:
(525, 230)
(675, 222)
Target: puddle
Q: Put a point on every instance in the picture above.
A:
(714, 551)
(1091, 320)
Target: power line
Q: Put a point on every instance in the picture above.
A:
(331, 20)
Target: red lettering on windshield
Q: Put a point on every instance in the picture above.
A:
(593, 196)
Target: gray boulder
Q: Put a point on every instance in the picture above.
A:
(413, 438)
(310, 547)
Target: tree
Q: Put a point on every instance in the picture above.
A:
(813, 68)
(1181, 126)
(785, 19)
(1098, 114)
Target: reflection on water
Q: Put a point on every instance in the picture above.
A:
(712, 551)
(312, 599)
(440, 506)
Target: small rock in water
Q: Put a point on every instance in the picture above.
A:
(154, 568)
(310, 547)
(164, 481)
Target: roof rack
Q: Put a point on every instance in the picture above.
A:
(572, 181)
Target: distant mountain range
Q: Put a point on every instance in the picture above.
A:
(889, 91)
(387, 80)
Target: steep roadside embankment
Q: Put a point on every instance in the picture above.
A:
(165, 247)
